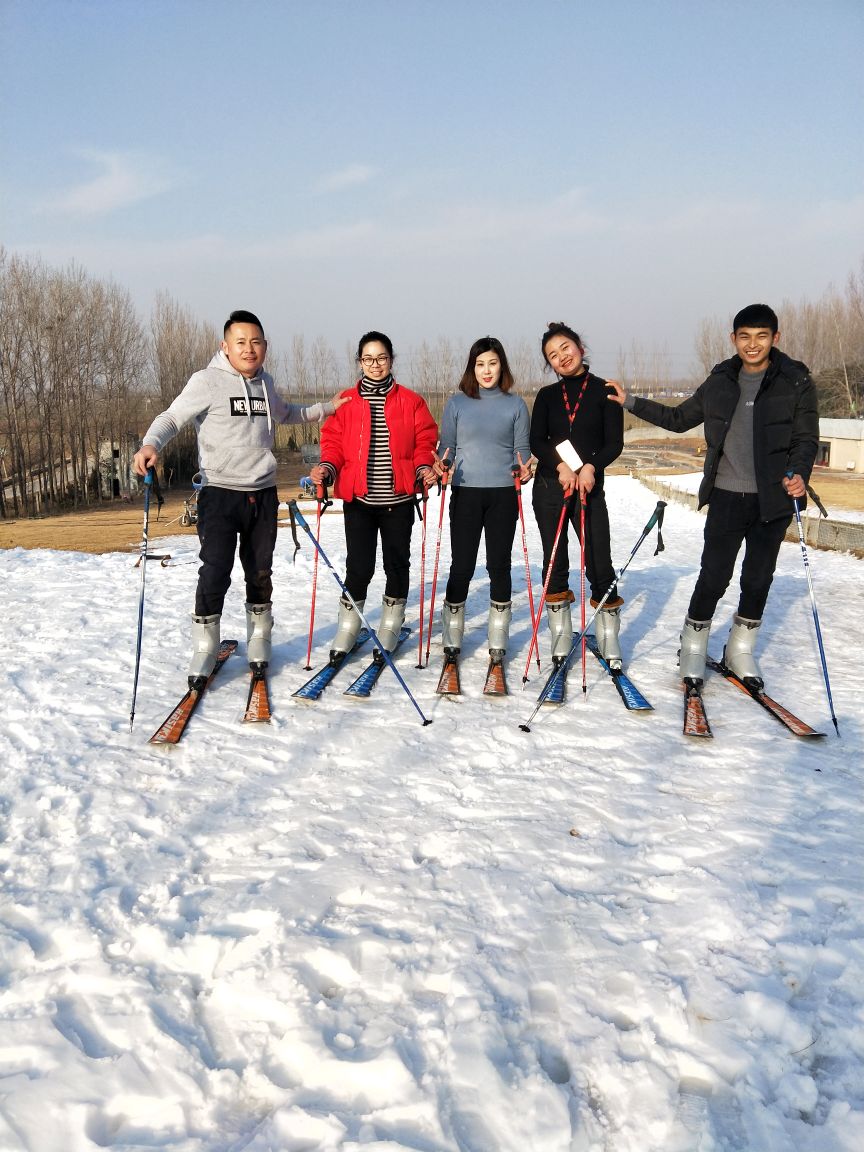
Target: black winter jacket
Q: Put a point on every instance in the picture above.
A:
(785, 425)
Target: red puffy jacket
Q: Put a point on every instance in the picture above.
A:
(345, 439)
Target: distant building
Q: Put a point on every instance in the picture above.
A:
(841, 445)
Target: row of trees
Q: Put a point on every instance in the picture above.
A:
(82, 376)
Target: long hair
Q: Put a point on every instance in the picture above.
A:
(468, 384)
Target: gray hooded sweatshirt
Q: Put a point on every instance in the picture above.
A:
(234, 418)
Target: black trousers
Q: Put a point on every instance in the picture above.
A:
(475, 512)
(224, 516)
(363, 525)
(733, 519)
(548, 498)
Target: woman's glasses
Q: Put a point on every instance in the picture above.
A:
(378, 361)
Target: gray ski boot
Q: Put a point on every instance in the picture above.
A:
(607, 624)
(205, 648)
(259, 628)
(738, 653)
(560, 626)
(498, 631)
(452, 627)
(694, 650)
(392, 618)
(347, 627)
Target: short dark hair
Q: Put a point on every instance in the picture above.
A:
(468, 384)
(370, 338)
(756, 316)
(241, 317)
(559, 328)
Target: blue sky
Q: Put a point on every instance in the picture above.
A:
(440, 168)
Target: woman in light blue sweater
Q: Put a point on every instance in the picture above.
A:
(484, 438)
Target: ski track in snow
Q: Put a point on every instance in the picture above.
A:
(344, 930)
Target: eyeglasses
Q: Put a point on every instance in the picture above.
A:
(380, 361)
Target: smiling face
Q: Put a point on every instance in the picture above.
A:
(374, 360)
(246, 348)
(563, 355)
(487, 369)
(754, 346)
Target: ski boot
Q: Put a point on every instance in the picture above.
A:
(693, 651)
(738, 653)
(205, 647)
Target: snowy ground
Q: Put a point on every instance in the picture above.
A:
(347, 931)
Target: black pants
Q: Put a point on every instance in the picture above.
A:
(475, 512)
(224, 515)
(733, 519)
(548, 498)
(363, 524)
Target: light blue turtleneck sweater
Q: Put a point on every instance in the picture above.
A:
(484, 436)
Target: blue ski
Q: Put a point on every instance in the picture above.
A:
(313, 687)
(629, 693)
(555, 688)
(368, 678)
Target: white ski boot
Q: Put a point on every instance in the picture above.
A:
(452, 627)
(205, 648)
(347, 627)
(738, 653)
(607, 624)
(560, 625)
(259, 628)
(392, 619)
(498, 629)
(694, 650)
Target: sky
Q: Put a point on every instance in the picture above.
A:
(345, 931)
(441, 169)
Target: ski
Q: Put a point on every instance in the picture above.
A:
(695, 716)
(448, 682)
(790, 721)
(554, 690)
(496, 682)
(316, 684)
(368, 678)
(627, 690)
(174, 724)
(258, 700)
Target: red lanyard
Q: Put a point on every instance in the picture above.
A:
(571, 416)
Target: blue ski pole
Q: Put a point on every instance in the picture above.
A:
(298, 515)
(814, 610)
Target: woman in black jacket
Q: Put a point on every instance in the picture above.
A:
(576, 409)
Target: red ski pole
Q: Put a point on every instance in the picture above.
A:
(425, 498)
(546, 586)
(444, 480)
(517, 480)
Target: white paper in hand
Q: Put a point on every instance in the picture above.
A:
(569, 455)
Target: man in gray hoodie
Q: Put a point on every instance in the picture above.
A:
(235, 406)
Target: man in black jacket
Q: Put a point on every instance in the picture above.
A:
(762, 433)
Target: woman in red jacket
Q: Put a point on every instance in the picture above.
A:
(375, 453)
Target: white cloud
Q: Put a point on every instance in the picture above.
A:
(125, 178)
(348, 177)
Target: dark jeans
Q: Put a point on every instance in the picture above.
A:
(363, 523)
(548, 498)
(475, 512)
(224, 515)
(733, 519)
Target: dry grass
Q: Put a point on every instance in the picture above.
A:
(116, 527)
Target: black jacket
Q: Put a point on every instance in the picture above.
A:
(785, 425)
(597, 432)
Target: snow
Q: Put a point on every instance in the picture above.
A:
(345, 930)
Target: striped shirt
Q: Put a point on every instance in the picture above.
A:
(379, 472)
